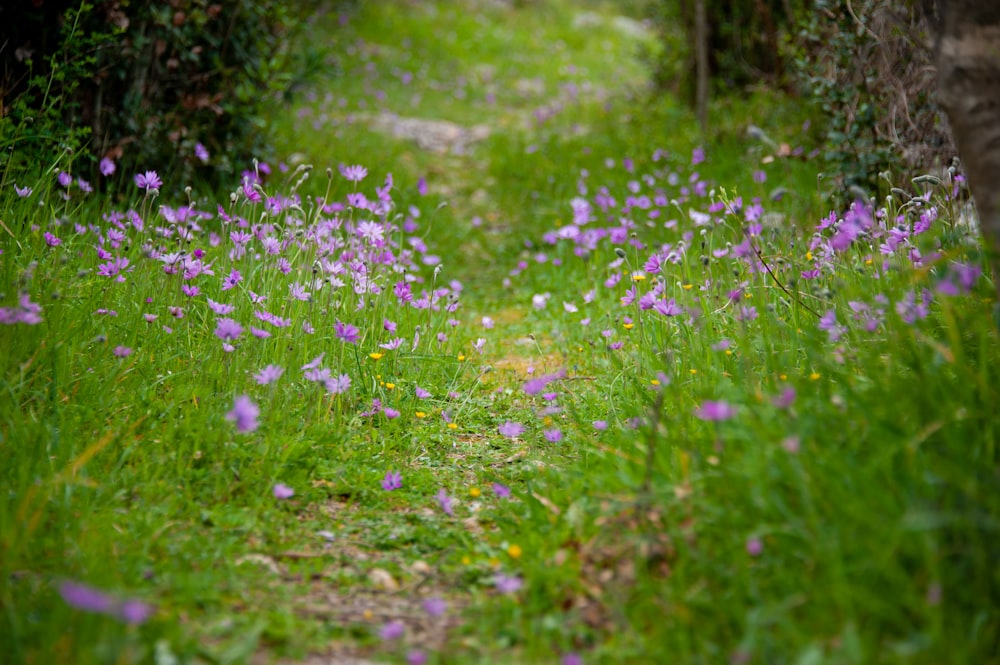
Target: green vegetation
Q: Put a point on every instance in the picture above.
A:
(577, 386)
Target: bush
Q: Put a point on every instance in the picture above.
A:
(177, 85)
(867, 65)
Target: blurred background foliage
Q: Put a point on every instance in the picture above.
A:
(864, 65)
(144, 81)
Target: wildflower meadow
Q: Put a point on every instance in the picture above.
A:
(584, 386)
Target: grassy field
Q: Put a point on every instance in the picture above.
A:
(575, 383)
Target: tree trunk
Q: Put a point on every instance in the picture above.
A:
(968, 60)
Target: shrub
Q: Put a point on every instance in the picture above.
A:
(144, 82)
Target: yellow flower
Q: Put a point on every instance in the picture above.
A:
(390, 386)
(374, 356)
(809, 256)
(474, 492)
(421, 414)
(461, 357)
(638, 277)
(783, 377)
(655, 382)
(814, 376)
(466, 560)
(729, 352)
(514, 551)
(687, 287)
(629, 326)
(452, 426)
(494, 562)
(693, 371)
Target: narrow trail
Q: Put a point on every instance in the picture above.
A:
(454, 96)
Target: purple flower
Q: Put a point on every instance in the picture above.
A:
(338, 385)
(282, 491)
(511, 429)
(89, 599)
(502, 491)
(445, 502)
(269, 374)
(134, 612)
(355, 173)
(346, 332)
(571, 659)
(201, 152)
(148, 180)
(232, 280)
(51, 240)
(220, 308)
(65, 179)
(828, 322)
(421, 393)
(553, 435)
(107, 166)
(416, 657)
(392, 630)
(785, 399)
(715, 411)
(393, 481)
(244, 414)
(86, 598)
(390, 412)
(754, 546)
(435, 606)
(315, 363)
(600, 425)
(228, 329)
(122, 351)
(507, 583)
(22, 192)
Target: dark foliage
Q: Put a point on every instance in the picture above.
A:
(144, 81)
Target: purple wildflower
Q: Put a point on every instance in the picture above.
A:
(435, 606)
(511, 429)
(86, 598)
(65, 179)
(600, 425)
(148, 180)
(392, 630)
(122, 351)
(244, 414)
(232, 279)
(416, 657)
(89, 599)
(282, 491)
(346, 332)
(51, 240)
(22, 192)
(107, 166)
(445, 502)
(354, 173)
(269, 374)
(785, 399)
(715, 411)
(201, 152)
(553, 435)
(228, 329)
(390, 412)
(338, 385)
(502, 491)
(754, 546)
(393, 481)
(507, 583)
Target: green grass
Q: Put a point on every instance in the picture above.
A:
(851, 521)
